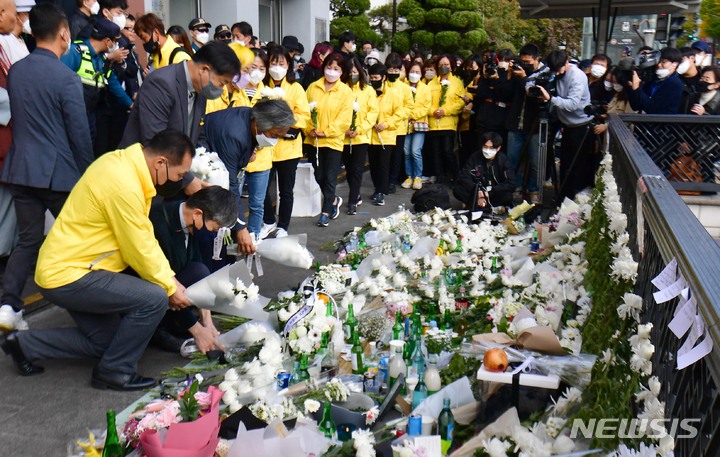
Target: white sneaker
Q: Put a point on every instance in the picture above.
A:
(281, 233)
(9, 319)
(432, 179)
(266, 230)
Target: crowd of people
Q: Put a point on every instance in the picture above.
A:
(100, 115)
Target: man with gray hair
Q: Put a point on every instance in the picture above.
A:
(235, 134)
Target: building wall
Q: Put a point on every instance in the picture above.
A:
(228, 12)
(308, 20)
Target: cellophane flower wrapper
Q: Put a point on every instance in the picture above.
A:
(302, 441)
(215, 293)
(208, 167)
(289, 251)
(198, 438)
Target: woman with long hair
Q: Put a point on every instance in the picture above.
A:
(288, 151)
(179, 36)
(331, 107)
(358, 138)
(417, 126)
(314, 68)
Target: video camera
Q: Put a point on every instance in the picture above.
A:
(598, 111)
(545, 79)
(644, 64)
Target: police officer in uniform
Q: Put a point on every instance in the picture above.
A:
(87, 59)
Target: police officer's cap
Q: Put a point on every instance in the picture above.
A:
(105, 29)
(199, 22)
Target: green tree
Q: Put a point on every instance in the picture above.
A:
(440, 26)
(381, 23)
(710, 16)
(351, 15)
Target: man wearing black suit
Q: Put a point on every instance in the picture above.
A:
(51, 144)
(175, 224)
(174, 97)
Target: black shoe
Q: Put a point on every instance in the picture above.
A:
(374, 196)
(391, 189)
(352, 209)
(163, 339)
(120, 381)
(11, 346)
(380, 200)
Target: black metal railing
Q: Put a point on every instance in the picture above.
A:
(662, 228)
(686, 148)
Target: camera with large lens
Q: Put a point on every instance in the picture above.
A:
(547, 81)
(491, 71)
(644, 64)
(598, 111)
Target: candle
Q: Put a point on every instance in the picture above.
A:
(344, 431)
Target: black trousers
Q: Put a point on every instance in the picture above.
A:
(327, 168)
(379, 160)
(577, 160)
(397, 161)
(30, 206)
(442, 149)
(283, 173)
(354, 161)
(110, 121)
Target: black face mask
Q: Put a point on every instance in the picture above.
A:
(560, 75)
(376, 84)
(151, 47)
(704, 86)
(528, 68)
(392, 77)
(471, 74)
(169, 188)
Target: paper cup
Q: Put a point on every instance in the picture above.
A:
(427, 425)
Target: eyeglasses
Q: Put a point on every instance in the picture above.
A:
(128, 29)
(202, 30)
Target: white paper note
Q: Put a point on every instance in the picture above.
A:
(431, 445)
(693, 336)
(696, 353)
(670, 292)
(682, 299)
(684, 318)
(667, 276)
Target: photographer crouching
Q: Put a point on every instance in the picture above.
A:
(570, 96)
(487, 180)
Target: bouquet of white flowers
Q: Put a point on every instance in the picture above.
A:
(208, 167)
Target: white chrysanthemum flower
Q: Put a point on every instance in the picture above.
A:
(311, 406)
(563, 445)
(496, 447)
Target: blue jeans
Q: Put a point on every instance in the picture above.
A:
(257, 187)
(515, 144)
(413, 154)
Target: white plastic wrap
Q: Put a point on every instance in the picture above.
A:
(289, 251)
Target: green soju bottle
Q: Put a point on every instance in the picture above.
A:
(398, 328)
(327, 425)
(356, 354)
(112, 440)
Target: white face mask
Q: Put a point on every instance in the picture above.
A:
(332, 75)
(202, 37)
(617, 87)
(503, 65)
(114, 48)
(707, 61)
(683, 67)
(264, 141)
(353, 48)
(429, 75)
(256, 76)
(489, 153)
(120, 21)
(414, 77)
(662, 73)
(277, 72)
(240, 42)
(608, 86)
(95, 8)
(68, 42)
(26, 27)
(597, 70)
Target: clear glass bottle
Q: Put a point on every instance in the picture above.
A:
(396, 365)
(446, 427)
(432, 376)
(418, 358)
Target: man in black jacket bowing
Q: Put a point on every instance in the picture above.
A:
(175, 223)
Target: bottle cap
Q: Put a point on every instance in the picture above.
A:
(397, 344)
(433, 324)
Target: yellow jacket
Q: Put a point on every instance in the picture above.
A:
(162, 59)
(237, 98)
(408, 102)
(297, 100)
(104, 225)
(421, 104)
(453, 104)
(392, 113)
(368, 114)
(334, 113)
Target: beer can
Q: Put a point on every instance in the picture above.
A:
(368, 381)
(415, 425)
(534, 246)
(283, 380)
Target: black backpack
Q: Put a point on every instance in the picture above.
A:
(431, 196)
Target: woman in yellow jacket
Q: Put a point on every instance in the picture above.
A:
(331, 108)
(418, 125)
(288, 151)
(384, 135)
(357, 137)
(447, 103)
(233, 93)
(395, 79)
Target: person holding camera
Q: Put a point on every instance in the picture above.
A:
(572, 95)
(488, 178)
(522, 119)
(661, 95)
